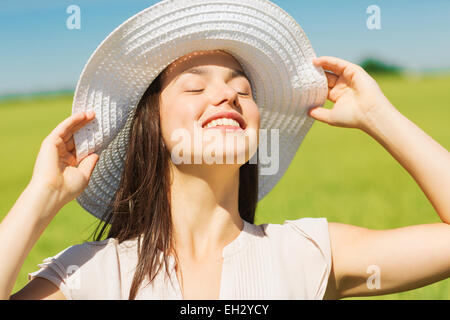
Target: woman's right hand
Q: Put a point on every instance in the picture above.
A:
(56, 167)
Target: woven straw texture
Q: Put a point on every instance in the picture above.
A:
(272, 48)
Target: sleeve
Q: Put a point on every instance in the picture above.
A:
(315, 242)
(69, 271)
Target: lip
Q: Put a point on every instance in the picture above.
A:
(228, 115)
(225, 128)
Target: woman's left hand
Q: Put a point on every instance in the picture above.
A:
(359, 103)
(352, 90)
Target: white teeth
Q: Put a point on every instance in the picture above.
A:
(223, 122)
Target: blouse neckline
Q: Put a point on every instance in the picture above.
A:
(237, 245)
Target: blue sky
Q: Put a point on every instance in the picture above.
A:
(39, 53)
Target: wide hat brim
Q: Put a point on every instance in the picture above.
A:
(269, 44)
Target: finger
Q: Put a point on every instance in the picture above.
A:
(336, 65)
(87, 164)
(61, 146)
(321, 114)
(64, 127)
(70, 159)
(90, 115)
(64, 147)
(332, 79)
(70, 144)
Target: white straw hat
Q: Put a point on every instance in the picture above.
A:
(269, 44)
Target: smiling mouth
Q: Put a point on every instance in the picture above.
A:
(223, 123)
(225, 119)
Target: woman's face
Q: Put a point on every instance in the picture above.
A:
(196, 89)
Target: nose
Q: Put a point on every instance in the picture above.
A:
(226, 94)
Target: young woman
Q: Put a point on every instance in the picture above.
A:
(206, 222)
(184, 229)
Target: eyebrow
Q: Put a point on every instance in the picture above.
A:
(233, 73)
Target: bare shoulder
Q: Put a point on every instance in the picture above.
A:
(39, 289)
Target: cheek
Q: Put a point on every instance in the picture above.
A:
(177, 117)
(253, 116)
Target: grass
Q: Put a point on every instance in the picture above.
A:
(341, 174)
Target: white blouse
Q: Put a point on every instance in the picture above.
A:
(268, 262)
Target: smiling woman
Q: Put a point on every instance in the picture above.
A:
(165, 108)
(185, 230)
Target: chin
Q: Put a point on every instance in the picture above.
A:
(235, 157)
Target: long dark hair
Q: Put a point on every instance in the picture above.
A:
(141, 207)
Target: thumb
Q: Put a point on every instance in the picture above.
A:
(87, 165)
(321, 114)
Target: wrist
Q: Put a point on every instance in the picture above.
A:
(44, 197)
(377, 117)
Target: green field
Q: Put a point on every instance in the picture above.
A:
(341, 174)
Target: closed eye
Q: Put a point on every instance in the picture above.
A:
(200, 90)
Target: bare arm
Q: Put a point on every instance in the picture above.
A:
(57, 179)
(375, 262)
(39, 289)
(409, 257)
(20, 230)
(425, 159)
